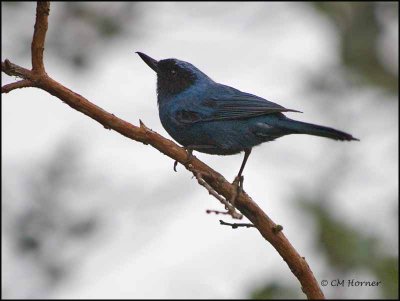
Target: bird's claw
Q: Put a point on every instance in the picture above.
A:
(189, 152)
(238, 183)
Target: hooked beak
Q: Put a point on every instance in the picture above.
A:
(152, 63)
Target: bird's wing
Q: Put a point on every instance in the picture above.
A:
(236, 105)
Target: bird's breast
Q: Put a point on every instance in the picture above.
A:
(176, 129)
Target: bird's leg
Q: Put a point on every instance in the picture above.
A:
(239, 179)
(189, 149)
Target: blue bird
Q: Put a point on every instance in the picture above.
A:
(213, 118)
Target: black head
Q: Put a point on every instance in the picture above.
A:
(173, 76)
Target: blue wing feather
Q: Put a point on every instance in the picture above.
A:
(229, 105)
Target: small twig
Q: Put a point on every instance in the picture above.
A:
(231, 210)
(208, 211)
(17, 85)
(236, 225)
(14, 70)
(143, 126)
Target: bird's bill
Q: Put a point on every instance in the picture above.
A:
(152, 63)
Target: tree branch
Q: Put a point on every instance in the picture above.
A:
(17, 85)
(14, 70)
(268, 229)
(39, 36)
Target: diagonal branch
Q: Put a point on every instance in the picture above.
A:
(267, 228)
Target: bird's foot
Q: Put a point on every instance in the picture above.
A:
(238, 183)
(189, 157)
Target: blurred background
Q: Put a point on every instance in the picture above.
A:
(87, 213)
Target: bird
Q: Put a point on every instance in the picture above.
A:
(205, 116)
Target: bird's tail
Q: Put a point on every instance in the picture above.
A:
(298, 127)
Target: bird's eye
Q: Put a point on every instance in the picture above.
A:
(173, 72)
